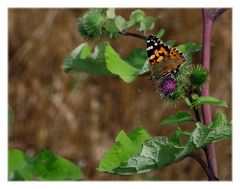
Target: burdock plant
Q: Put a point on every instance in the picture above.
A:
(188, 81)
(137, 151)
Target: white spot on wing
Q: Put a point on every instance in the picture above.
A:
(150, 47)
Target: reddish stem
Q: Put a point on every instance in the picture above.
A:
(140, 36)
(208, 20)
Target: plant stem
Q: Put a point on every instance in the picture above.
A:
(127, 33)
(204, 166)
(195, 109)
(197, 115)
(208, 20)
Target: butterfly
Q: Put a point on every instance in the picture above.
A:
(163, 60)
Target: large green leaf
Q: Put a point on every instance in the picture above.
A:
(178, 118)
(137, 58)
(45, 166)
(81, 59)
(106, 61)
(125, 147)
(159, 151)
(119, 67)
(219, 129)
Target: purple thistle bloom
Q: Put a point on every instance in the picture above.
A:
(167, 86)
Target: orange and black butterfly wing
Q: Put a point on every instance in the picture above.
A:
(162, 59)
(174, 60)
(156, 52)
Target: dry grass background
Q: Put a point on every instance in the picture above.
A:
(77, 115)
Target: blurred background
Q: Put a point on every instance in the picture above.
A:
(77, 115)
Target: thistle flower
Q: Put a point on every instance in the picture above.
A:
(167, 86)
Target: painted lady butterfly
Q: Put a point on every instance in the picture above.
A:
(163, 60)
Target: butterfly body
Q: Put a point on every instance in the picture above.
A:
(163, 60)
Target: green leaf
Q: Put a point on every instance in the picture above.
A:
(178, 118)
(81, 59)
(220, 133)
(138, 136)
(160, 33)
(219, 120)
(125, 147)
(130, 23)
(120, 23)
(84, 51)
(137, 58)
(110, 13)
(45, 166)
(176, 137)
(208, 100)
(170, 42)
(119, 67)
(48, 166)
(145, 69)
(220, 129)
(156, 152)
(147, 23)
(186, 133)
(188, 102)
(105, 61)
(189, 48)
(19, 165)
(159, 151)
(137, 16)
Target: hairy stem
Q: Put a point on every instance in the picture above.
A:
(208, 19)
(127, 33)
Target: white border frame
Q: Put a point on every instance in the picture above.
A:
(5, 4)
